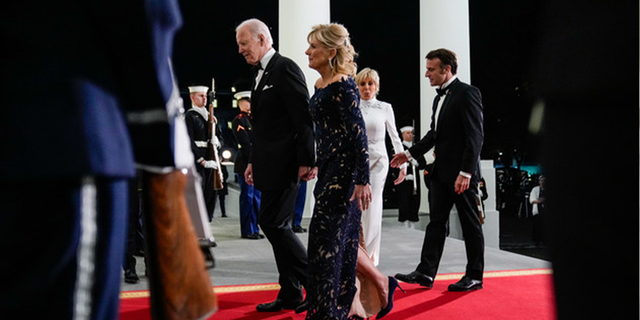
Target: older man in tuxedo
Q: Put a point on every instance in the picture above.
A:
(457, 134)
(282, 153)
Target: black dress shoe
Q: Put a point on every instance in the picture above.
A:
(416, 277)
(130, 276)
(254, 236)
(303, 307)
(299, 229)
(466, 284)
(278, 305)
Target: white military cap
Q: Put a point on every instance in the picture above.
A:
(406, 128)
(242, 95)
(194, 89)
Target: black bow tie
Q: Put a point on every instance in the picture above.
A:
(257, 67)
(441, 92)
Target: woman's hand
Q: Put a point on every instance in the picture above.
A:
(362, 194)
(401, 175)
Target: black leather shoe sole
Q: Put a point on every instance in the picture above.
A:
(413, 278)
(277, 305)
(132, 279)
(456, 287)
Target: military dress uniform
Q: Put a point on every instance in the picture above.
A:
(409, 189)
(249, 196)
(197, 126)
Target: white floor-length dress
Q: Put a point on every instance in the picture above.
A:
(379, 120)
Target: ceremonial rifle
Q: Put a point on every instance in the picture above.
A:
(218, 178)
(178, 281)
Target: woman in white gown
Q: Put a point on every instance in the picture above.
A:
(379, 119)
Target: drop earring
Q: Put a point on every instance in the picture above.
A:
(330, 63)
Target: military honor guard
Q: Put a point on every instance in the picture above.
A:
(197, 126)
(409, 189)
(249, 196)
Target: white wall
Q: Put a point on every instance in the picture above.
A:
(296, 19)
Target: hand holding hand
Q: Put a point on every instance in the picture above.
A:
(248, 175)
(307, 173)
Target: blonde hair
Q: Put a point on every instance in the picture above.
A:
(336, 36)
(368, 73)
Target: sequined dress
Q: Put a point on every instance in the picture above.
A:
(343, 162)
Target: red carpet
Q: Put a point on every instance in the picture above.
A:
(519, 294)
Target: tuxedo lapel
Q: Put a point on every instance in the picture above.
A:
(268, 71)
(447, 97)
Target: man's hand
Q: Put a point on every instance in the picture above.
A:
(215, 142)
(398, 160)
(462, 184)
(248, 175)
(307, 173)
(210, 164)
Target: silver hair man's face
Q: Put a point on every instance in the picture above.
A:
(252, 48)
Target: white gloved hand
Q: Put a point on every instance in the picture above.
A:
(215, 142)
(210, 164)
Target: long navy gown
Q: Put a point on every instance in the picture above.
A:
(343, 162)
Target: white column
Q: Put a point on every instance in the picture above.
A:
(443, 24)
(296, 19)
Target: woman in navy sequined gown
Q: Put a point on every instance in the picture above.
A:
(342, 189)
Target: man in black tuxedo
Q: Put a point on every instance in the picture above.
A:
(457, 134)
(282, 153)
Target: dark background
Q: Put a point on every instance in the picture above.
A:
(386, 37)
(502, 35)
(582, 57)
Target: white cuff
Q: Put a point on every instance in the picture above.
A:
(465, 174)
(408, 154)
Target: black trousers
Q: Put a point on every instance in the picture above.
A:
(276, 214)
(408, 203)
(443, 197)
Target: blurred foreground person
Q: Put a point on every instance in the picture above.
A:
(103, 89)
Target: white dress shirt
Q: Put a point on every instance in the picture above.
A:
(263, 64)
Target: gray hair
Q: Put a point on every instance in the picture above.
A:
(257, 27)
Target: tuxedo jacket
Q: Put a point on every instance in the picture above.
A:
(282, 138)
(422, 163)
(459, 136)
